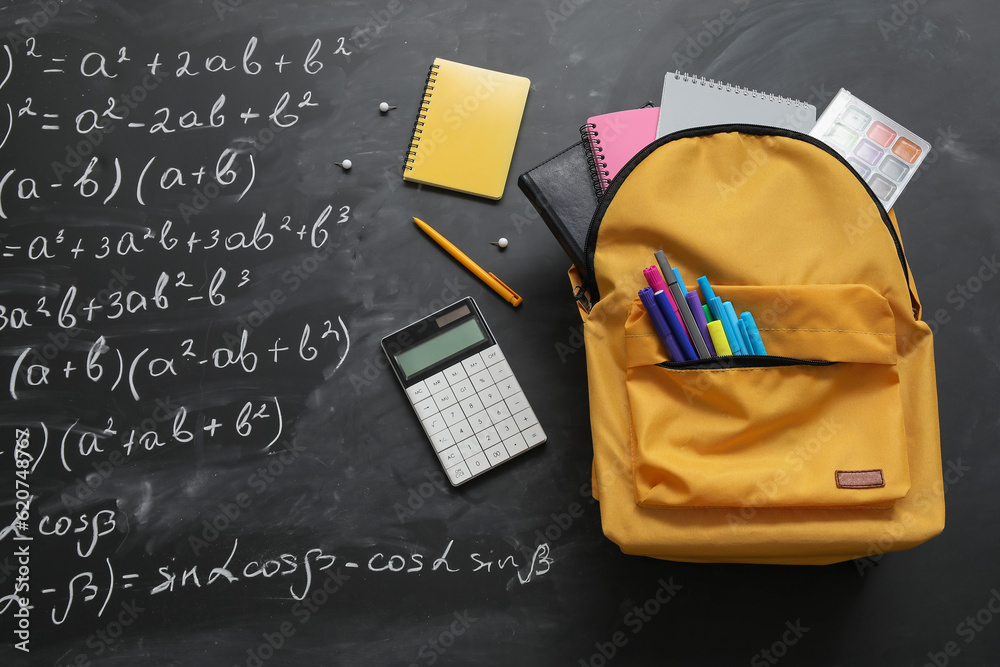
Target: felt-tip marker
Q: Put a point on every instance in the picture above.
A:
(683, 342)
(753, 333)
(699, 317)
(655, 281)
(719, 312)
(680, 280)
(706, 289)
(718, 334)
(735, 322)
(660, 324)
(682, 305)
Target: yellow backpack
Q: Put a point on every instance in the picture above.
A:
(827, 450)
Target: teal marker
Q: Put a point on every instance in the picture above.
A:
(680, 281)
(756, 342)
(735, 323)
(719, 313)
(713, 302)
(742, 328)
(706, 289)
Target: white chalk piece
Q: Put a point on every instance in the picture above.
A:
(346, 164)
(502, 242)
(385, 107)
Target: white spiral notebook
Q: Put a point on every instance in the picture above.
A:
(691, 101)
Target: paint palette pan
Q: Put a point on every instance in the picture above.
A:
(884, 153)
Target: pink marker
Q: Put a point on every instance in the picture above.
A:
(656, 282)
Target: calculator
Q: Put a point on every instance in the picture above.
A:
(463, 391)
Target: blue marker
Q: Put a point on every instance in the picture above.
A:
(675, 326)
(753, 333)
(744, 335)
(742, 328)
(719, 313)
(680, 281)
(706, 290)
(660, 324)
(735, 323)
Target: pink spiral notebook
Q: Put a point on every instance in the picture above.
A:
(612, 139)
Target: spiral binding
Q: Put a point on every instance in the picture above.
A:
(595, 158)
(418, 123)
(729, 88)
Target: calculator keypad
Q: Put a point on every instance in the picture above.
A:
(475, 415)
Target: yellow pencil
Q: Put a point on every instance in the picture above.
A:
(490, 279)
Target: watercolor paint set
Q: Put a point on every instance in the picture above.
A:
(883, 152)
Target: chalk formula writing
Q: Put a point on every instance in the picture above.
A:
(295, 575)
(184, 275)
(247, 233)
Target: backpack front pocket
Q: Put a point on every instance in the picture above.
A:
(816, 424)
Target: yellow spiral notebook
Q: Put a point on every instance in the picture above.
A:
(464, 135)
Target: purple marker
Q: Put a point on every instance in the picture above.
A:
(699, 317)
(655, 280)
(660, 324)
(683, 342)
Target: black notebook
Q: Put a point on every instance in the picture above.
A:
(562, 192)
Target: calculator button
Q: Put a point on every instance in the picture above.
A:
(442, 440)
(455, 373)
(444, 399)
(500, 371)
(488, 437)
(507, 428)
(463, 390)
(436, 383)
(517, 402)
(497, 454)
(458, 474)
(475, 414)
(480, 421)
(472, 405)
(433, 424)
(490, 396)
(452, 415)
(508, 387)
(477, 463)
(425, 408)
(526, 418)
(481, 380)
(461, 431)
(469, 447)
(515, 444)
(473, 364)
(417, 392)
(450, 457)
(533, 435)
(492, 355)
(498, 412)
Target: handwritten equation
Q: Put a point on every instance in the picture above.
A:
(63, 244)
(89, 592)
(154, 69)
(96, 176)
(139, 260)
(107, 365)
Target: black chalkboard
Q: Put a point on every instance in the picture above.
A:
(205, 457)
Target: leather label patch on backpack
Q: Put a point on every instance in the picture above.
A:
(860, 479)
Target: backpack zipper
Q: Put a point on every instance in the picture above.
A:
(590, 280)
(741, 361)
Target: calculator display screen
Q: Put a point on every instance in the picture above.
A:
(439, 347)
